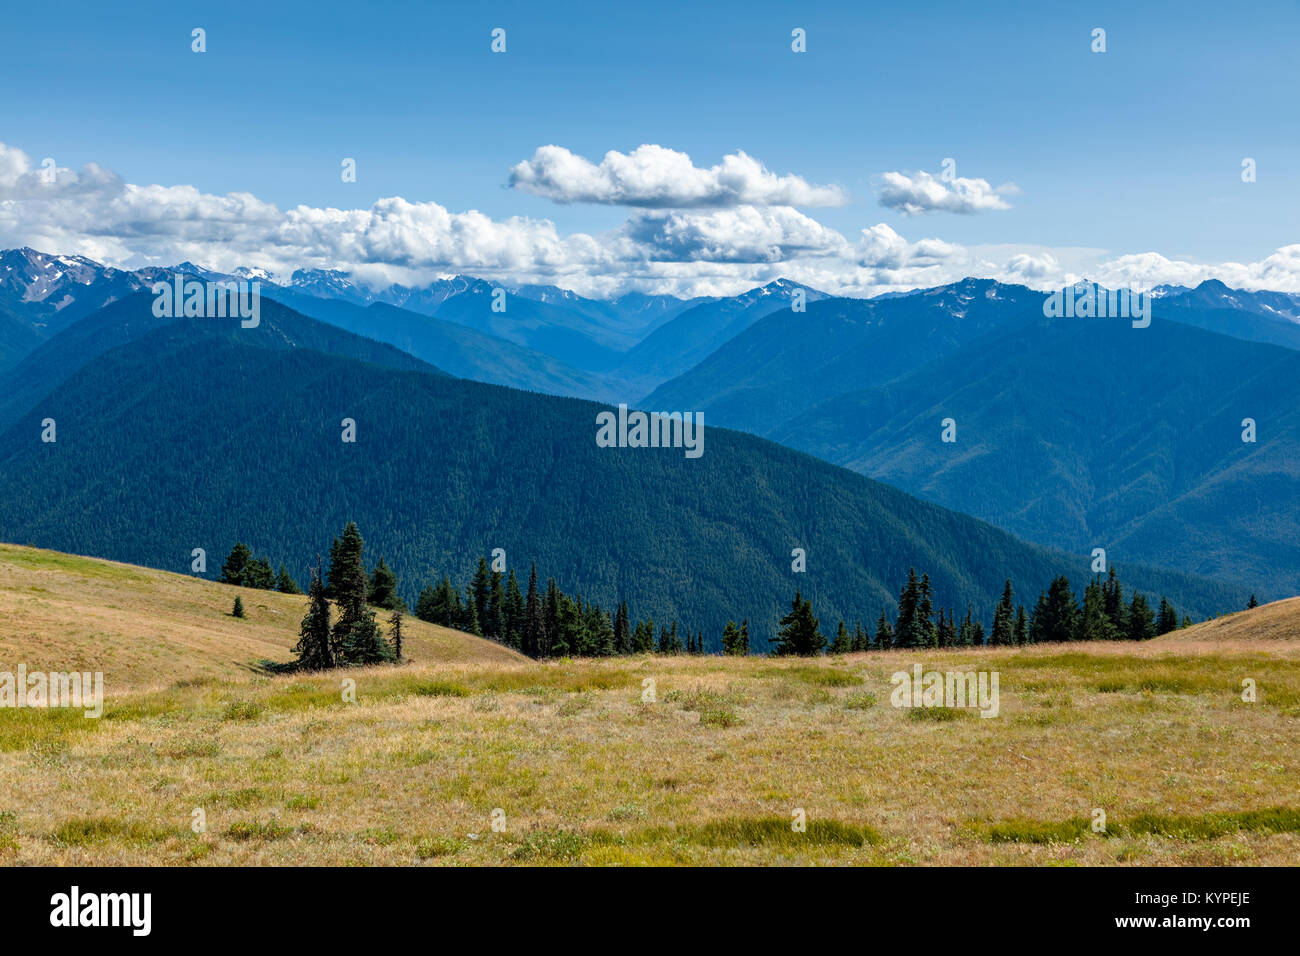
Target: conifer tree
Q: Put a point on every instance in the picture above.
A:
(383, 588)
(841, 644)
(622, 630)
(233, 570)
(469, 615)
(1113, 595)
(744, 638)
(798, 633)
(1021, 630)
(1059, 614)
(925, 635)
(947, 629)
(534, 636)
(258, 574)
(514, 616)
(1094, 623)
(481, 590)
(1252, 603)
(1141, 622)
(731, 639)
(884, 632)
(1167, 619)
(494, 623)
(315, 647)
(349, 585)
(286, 584)
(395, 622)
(906, 629)
(238, 609)
(1003, 619)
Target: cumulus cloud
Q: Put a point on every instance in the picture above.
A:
(660, 178)
(921, 192)
(718, 250)
(742, 234)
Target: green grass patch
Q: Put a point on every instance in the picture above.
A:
(774, 831)
(430, 848)
(91, 831)
(242, 710)
(248, 830)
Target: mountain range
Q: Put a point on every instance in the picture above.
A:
(1072, 434)
(198, 433)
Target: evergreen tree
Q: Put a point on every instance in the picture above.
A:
(1037, 619)
(1167, 619)
(798, 633)
(383, 588)
(258, 574)
(514, 616)
(469, 615)
(1003, 633)
(233, 570)
(551, 609)
(481, 591)
(600, 631)
(744, 638)
(884, 632)
(424, 605)
(315, 648)
(731, 639)
(622, 630)
(238, 609)
(361, 641)
(925, 634)
(494, 624)
(841, 644)
(906, 629)
(644, 638)
(1252, 603)
(1113, 595)
(395, 622)
(349, 585)
(286, 584)
(1058, 620)
(534, 635)
(1021, 630)
(1141, 622)
(946, 634)
(1094, 623)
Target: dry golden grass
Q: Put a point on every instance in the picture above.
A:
(144, 628)
(584, 771)
(1279, 621)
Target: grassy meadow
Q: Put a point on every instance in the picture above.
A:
(471, 754)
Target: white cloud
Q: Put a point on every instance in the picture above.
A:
(921, 193)
(742, 234)
(660, 178)
(711, 251)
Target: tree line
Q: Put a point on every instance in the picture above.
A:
(1057, 617)
(340, 627)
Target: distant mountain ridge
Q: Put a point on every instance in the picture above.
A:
(234, 434)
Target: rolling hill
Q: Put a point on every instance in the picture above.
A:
(146, 628)
(1263, 625)
(200, 433)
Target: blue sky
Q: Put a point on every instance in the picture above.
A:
(1133, 151)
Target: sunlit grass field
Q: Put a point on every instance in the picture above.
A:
(474, 756)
